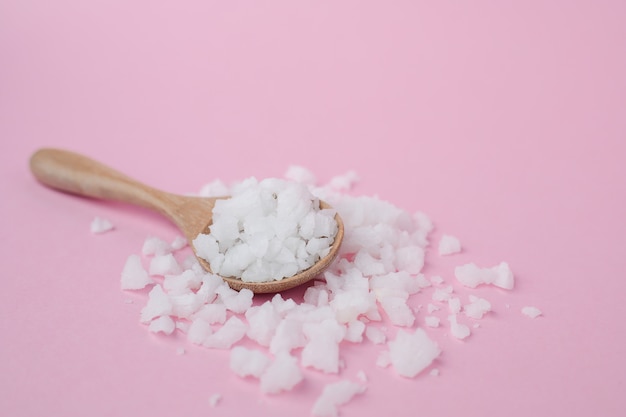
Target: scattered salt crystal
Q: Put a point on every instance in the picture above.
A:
(322, 349)
(375, 335)
(300, 174)
(344, 182)
(248, 362)
(436, 280)
(155, 246)
(431, 321)
(183, 326)
(471, 275)
(354, 331)
(449, 245)
(434, 372)
(477, 307)
(100, 225)
(129, 301)
(230, 333)
(158, 304)
(198, 331)
(282, 374)
(180, 351)
(384, 359)
(412, 352)
(476, 325)
(164, 265)
(178, 243)
(454, 304)
(215, 399)
(134, 276)
(335, 395)
(442, 294)
(531, 312)
(163, 324)
(431, 308)
(458, 330)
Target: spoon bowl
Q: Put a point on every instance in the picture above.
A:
(77, 174)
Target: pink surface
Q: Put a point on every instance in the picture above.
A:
(506, 124)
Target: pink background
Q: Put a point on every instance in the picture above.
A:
(505, 123)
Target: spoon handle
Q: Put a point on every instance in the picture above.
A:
(77, 174)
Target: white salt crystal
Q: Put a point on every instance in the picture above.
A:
(158, 304)
(180, 351)
(477, 307)
(334, 395)
(134, 276)
(384, 359)
(164, 265)
(255, 234)
(129, 301)
(431, 321)
(412, 352)
(322, 349)
(531, 312)
(163, 324)
(230, 333)
(263, 321)
(442, 294)
(239, 302)
(198, 331)
(458, 330)
(185, 305)
(282, 374)
(178, 243)
(410, 259)
(155, 246)
(100, 225)
(288, 336)
(449, 245)
(431, 308)
(471, 275)
(248, 362)
(397, 310)
(454, 304)
(215, 399)
(354, 331)
(300, 174)
(211, 313)
(436, 280)
(434, 372)
(375, 335)
(345, 181)
(183, 325)
(182, 283)
(215, 188)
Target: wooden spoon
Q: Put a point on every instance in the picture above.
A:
(77, 174)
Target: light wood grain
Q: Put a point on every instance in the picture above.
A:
(77, 174)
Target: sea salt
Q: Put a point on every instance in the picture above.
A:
(449, 245)
(267, 230)
(411, 353)
(375, 281)
(134, 276)
(471, 275)
(334, 395)
(100, 225)
(532, 312)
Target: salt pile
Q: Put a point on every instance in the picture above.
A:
(267, 230)
(366, 297)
